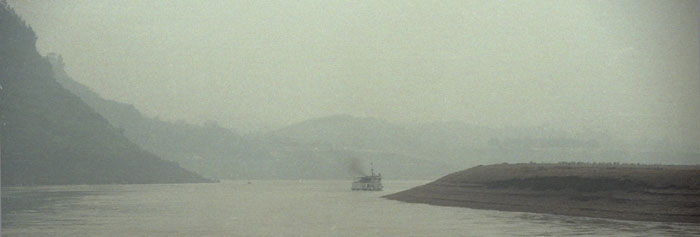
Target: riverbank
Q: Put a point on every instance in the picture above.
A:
(630, 192)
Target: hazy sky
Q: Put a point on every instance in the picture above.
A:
(630, 67)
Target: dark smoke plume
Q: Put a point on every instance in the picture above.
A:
(355, 166)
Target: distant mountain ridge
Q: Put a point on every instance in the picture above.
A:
(422, 138)
(346, 131)
(459, 144)
(208, 149)
(49, 136)
(220, 153)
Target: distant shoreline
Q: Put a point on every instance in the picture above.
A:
(628, 192)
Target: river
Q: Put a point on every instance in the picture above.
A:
(278, 208)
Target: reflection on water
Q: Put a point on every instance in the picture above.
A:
(38, 201)
(278, 208)
(31, 207)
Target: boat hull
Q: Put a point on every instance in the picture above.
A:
(360, 186)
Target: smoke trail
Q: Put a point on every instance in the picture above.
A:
(355, 166)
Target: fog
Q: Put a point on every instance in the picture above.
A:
(277, 116)
(627, 67)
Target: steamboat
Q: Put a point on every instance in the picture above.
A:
(370, 182)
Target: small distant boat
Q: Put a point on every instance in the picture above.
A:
(371, 182)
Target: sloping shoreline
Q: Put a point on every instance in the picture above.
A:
(627, 192)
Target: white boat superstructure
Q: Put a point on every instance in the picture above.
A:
(370, 182)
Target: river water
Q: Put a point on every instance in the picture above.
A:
(278, 208)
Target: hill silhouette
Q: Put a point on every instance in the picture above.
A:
(49, 136)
